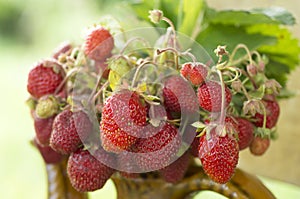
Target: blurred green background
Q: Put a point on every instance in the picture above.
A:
(29, 31)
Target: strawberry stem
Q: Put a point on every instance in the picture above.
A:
(61, 85)
(240, 46)
(158, 52)
(142, 40)
(103, 87)
(173, 29)
(222, 116)
(137, 72)
(187, 53)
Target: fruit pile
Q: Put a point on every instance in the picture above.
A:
(115, 106)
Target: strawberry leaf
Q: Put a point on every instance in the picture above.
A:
(273, 15)
(191, 14)
(230, 36)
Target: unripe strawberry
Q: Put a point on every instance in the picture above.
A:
(44, 78)
(47, 106)
(99, 43)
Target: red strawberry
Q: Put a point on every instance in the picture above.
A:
(69, 129)
(176, 171)
(43, 129)
(259, 145)
(195, 147)
(44, 78)
(210, 96)
(99, 43)
(63, 48)
(101, 68)
(179, 96)
(49, 155)
(272, 111)
(87, 172)
(219, 156)
(194, 72)
(245, 132)
(123, 117)
(155, 152)
(127, 166)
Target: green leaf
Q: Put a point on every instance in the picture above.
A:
(142, 8)
(217, 34)
(273, 15)
(192, 11)
(258, 94)
(170, 9)
(279, 14)
(283, 55)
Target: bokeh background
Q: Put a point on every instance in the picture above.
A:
(31, 29)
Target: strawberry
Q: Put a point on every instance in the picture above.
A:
(43, 129)
(48, 154)
(63, 48)
(123, 116)
(101, 67)
(179, 96)
(259, 145)
(245, 132)
(87, 172)
(194, 72)
(219, 156)
(69, 129)
(176, 171)
(126, 165)
(195, 147)
(272, 111)
(210, 96)
(44, 78)
(155, 152)
(99, 43)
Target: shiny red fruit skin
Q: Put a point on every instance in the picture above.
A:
(210, 96)
(123, 118)
(245, 133)
(194, 72)
(272, 110)
(43, 129)
(219, 156)
(44, 78)
(87, 173)
(155, 152)
(176, 170)
(179, 96)
(69, 130)
(99, 44)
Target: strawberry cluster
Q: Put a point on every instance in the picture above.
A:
(114, 111)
